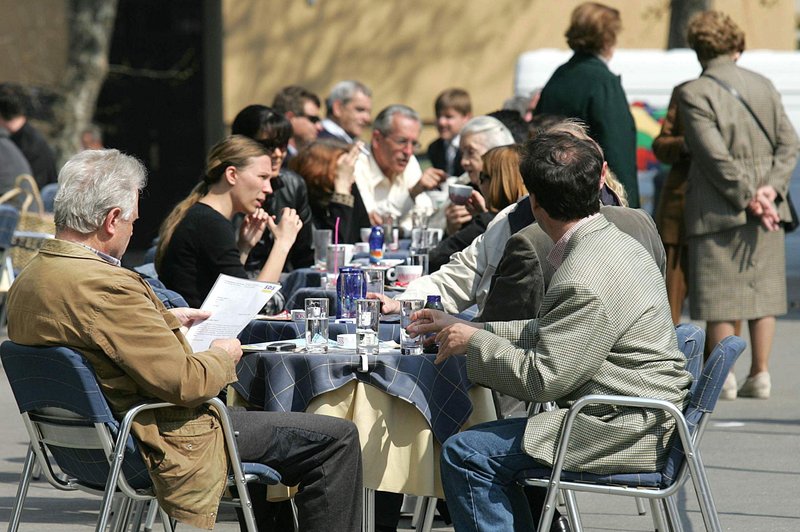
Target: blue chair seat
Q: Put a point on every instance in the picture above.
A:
(264, 474)
(631, 480)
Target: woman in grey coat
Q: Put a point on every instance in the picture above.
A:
(743, 151)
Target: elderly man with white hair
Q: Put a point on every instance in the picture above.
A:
(389, 176)
(75, 293)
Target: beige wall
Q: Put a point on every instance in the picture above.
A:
(409, 51)
(33, 36)
(406, 51)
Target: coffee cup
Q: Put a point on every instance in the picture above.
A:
(459, 194)
(407, 273)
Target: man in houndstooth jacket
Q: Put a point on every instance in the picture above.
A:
(604, 328)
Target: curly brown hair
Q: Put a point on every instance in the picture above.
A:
(713, 33)
(593, 28)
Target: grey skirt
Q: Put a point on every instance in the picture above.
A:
(737, 274)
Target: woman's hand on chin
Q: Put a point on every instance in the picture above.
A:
(252, 229)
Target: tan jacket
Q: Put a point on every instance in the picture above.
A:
(730, 155)
(69, 296)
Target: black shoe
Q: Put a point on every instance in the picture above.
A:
(560, 524)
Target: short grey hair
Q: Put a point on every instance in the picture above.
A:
(344, 91)
(92, 183)
(383, 122)
(492, 131)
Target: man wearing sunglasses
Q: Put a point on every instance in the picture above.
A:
(301, 108)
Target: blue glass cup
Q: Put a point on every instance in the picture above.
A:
(351, 285)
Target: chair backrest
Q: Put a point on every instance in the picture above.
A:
(9, 218)
(704, 398)
(48, 194)
(170, 298)
(56, 390)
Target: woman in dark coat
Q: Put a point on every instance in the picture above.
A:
(274, 130)
(585, 88)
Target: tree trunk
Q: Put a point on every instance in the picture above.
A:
(91, 24)
(682, 12)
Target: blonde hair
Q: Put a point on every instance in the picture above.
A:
(616, 187)
(505, 184)
(236, 151)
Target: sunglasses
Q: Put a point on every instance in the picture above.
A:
(271, 145)
(484, 177)
(314, 119)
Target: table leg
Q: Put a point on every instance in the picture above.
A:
(368, 515)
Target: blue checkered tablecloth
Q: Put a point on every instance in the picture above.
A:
(285, 382)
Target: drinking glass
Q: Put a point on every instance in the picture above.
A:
(375, 281)
(409, 345)
(338, 256)
(316, 324)
(419, 258)
(368, 313)
(432, 238)
(350, 286)
(417, 239)
(322, 239)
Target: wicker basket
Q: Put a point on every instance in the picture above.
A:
(35, 225)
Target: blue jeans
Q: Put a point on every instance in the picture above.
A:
(479, 471)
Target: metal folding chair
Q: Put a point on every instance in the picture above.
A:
(72, 429)
(684, 457)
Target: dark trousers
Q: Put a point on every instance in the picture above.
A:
(319, 454)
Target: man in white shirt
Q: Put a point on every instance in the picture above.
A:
(349, 109)
(388, 177)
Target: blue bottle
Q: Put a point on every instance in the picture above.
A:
(376, 245)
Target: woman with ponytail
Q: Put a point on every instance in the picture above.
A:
(198, 241)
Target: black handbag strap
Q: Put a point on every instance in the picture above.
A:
(738, 96)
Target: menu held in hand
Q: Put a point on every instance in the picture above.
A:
(232, 302)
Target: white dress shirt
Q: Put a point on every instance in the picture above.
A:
(389, 196)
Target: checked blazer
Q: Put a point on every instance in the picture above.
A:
(604, 328)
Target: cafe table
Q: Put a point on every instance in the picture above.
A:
(272, 330)
(404, 406)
